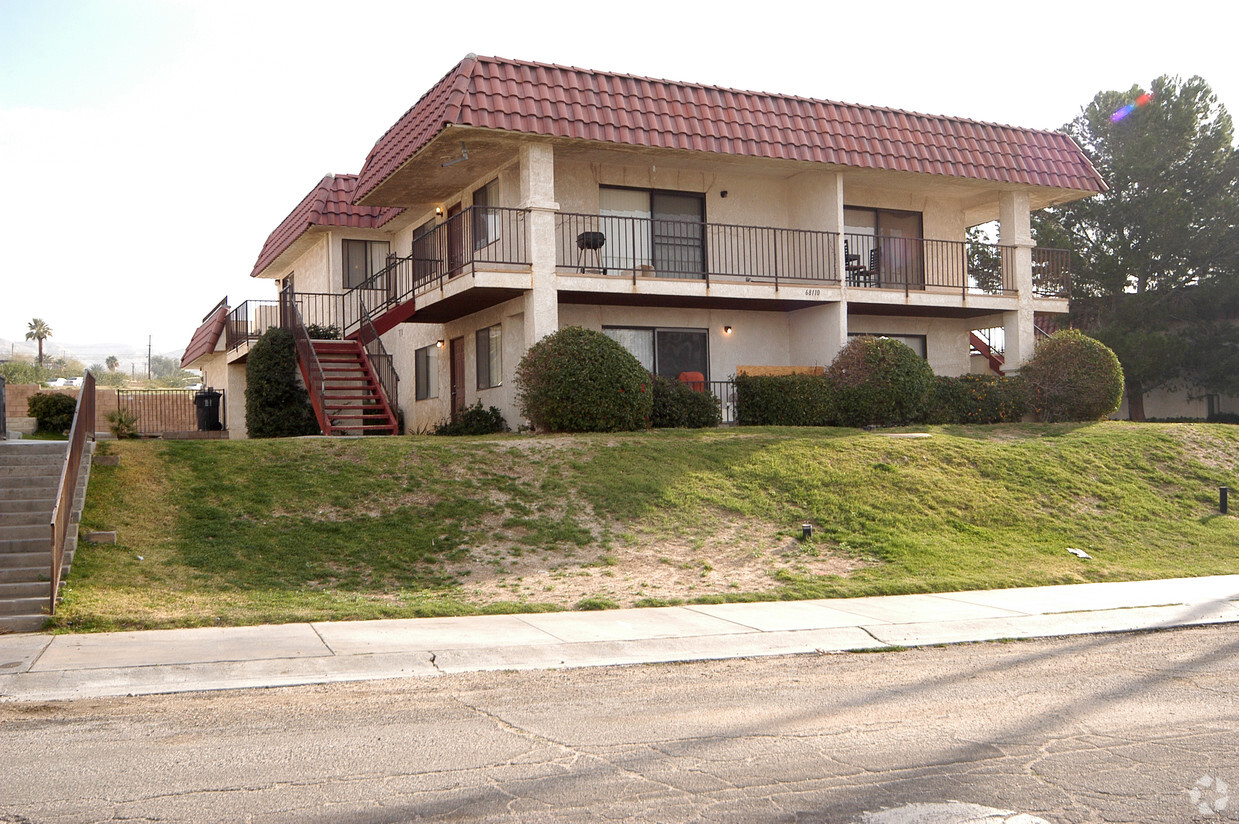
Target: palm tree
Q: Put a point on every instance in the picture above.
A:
(39, 330)
(112, 362)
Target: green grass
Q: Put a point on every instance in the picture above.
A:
(246, 532)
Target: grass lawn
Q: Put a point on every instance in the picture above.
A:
(243, 532)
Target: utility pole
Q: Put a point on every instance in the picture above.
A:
(148, 357)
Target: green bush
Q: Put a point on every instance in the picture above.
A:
(784, 400)
(579, 380)
(474, 420)
(52, 410)
(879, 381)
(977, 399)
(678, 405)
(276, 404)
(318, 331)
(1073, 377)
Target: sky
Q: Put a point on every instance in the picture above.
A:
(148, 147)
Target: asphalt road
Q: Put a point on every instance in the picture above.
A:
(1116, 728)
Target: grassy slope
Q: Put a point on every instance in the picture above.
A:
(251, 531)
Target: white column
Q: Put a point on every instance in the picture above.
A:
(1015, 230)
(818, 333)
(537, 162)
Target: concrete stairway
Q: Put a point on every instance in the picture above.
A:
(29, 475)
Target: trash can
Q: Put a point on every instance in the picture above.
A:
(207, 403)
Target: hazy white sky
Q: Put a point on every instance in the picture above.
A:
(148, 147)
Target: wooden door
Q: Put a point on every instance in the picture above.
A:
(457, 350)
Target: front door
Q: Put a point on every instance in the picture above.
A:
(457, 350)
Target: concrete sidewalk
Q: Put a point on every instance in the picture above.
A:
(47, 667)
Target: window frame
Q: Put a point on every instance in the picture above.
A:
(488, 352)
(654, 330)
(426, 372)
(372, 263)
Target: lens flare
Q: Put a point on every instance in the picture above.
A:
(1142, 100)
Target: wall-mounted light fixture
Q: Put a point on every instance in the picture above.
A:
(438, 211)
(726, 330)
(439, 343)
(723, 193)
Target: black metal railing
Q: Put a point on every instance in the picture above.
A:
(83, 428)
(918, 264)
(4, 431)
(290, 316)
(725, 393)
(692, 250)
(380, 361)
(478, 237)
(1051, 272)
(166, 412)
(248, 321)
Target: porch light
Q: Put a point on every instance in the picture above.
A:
(439, 343)
(726, 330)
(438, 211)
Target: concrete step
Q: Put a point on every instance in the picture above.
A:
(26, 589)
(42, 505)
(21, 532)
(26, 553)
(27, 575)
(28, 448)
(39, 462)
(10, 482)
(22, 623)
(22, 606)
(10, 519)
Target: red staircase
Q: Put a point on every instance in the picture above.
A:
(996, 361)
(351, 401)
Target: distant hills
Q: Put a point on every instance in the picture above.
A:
(131, 357)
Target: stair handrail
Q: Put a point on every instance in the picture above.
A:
(290, 319)
(380, 360)
(62, 511)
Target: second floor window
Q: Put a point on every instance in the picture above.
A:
(362, 260)
(486, 215)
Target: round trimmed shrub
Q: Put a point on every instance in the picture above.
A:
(579, 380)
(879, 382)
(1073, 377)
(679, 405)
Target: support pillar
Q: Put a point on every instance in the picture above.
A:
(537, 162)
(818, 333)
(1015, 231)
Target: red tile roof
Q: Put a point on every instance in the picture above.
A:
(207, 335)
(330, 203)
(566, 102)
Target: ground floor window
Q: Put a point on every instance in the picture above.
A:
(665, 351)
(914, 342)
(490, 356)
(426, 372)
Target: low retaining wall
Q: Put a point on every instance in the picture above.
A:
(158, 412)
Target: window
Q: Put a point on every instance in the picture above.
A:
(486, 215)
(426, 372)
(666, 352)
(660, 230)
(914, 342)
(362, 260)
(490, 356)
(885, 246)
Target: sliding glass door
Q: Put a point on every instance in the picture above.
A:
(655, 233)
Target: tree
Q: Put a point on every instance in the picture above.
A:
(112, 362)
(1148, 250)
(39, 331)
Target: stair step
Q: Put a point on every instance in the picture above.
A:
(27, 575)
(28, 553)
(21, 532)
(29, 448)
(22, 623)
(41, 505)
(26, 589)
(35, 518)
(22, 606)
(12, 482)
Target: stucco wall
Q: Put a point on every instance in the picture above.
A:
(1184, 403)
(946, 339)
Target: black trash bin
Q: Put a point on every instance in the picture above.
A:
(207, 403)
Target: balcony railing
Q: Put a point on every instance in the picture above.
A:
(692, 250)
(248, 321)
(1051, 272)
(478, 237)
